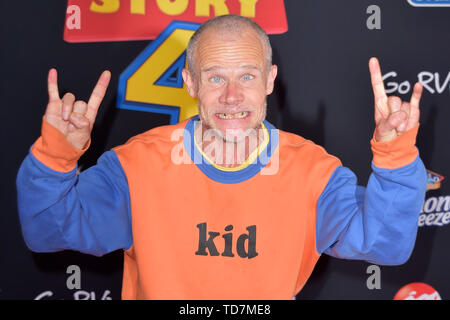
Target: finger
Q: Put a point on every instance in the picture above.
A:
(416, 95)
(376, 78)
(394, 104)
(52, 85)
(406, 108)
(80, 107)
(414, 110)
(381, 105)
(396, 120)
(386, 130)
(97, 95)
(78, 121)
(414, 116)
(404, 125)
(67, 105)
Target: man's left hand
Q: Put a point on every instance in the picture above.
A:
(392, 115)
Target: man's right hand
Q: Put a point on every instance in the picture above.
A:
(74, 119)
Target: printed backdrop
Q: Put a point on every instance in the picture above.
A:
(322, 92)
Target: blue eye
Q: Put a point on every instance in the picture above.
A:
(248, 77)
(215, 79)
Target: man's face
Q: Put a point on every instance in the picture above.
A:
(232, 81)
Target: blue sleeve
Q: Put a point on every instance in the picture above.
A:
(87, 212)
(377, 223)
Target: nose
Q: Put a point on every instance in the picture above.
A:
(232, 94)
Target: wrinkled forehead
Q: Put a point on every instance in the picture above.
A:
(229, 49)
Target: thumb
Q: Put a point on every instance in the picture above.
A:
(386, 129)
(79, 131)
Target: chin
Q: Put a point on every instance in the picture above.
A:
(237, 134)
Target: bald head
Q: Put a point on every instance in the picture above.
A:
(231, 74)
(228, 25)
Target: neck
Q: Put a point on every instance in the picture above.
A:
(225, 153)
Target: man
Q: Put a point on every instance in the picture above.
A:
(218, 224)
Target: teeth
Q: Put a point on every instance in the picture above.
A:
(238, 115)
(224, 116)
(242, 114)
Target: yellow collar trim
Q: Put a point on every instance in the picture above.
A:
(248, 161)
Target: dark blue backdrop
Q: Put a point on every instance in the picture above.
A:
(323, 93)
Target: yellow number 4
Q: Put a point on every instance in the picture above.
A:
(153, 82)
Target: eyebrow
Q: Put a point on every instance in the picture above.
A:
(215, 68)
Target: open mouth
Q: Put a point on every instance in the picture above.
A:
(228, 116)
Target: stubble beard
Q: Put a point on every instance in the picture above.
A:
(210, 130)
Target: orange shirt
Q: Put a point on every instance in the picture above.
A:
(174, 206)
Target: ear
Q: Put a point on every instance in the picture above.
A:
(190, 82)
(271, 79)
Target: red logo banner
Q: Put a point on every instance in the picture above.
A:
(121, 20)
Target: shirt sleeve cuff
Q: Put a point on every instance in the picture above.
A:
(396, 153)
(55, 151)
